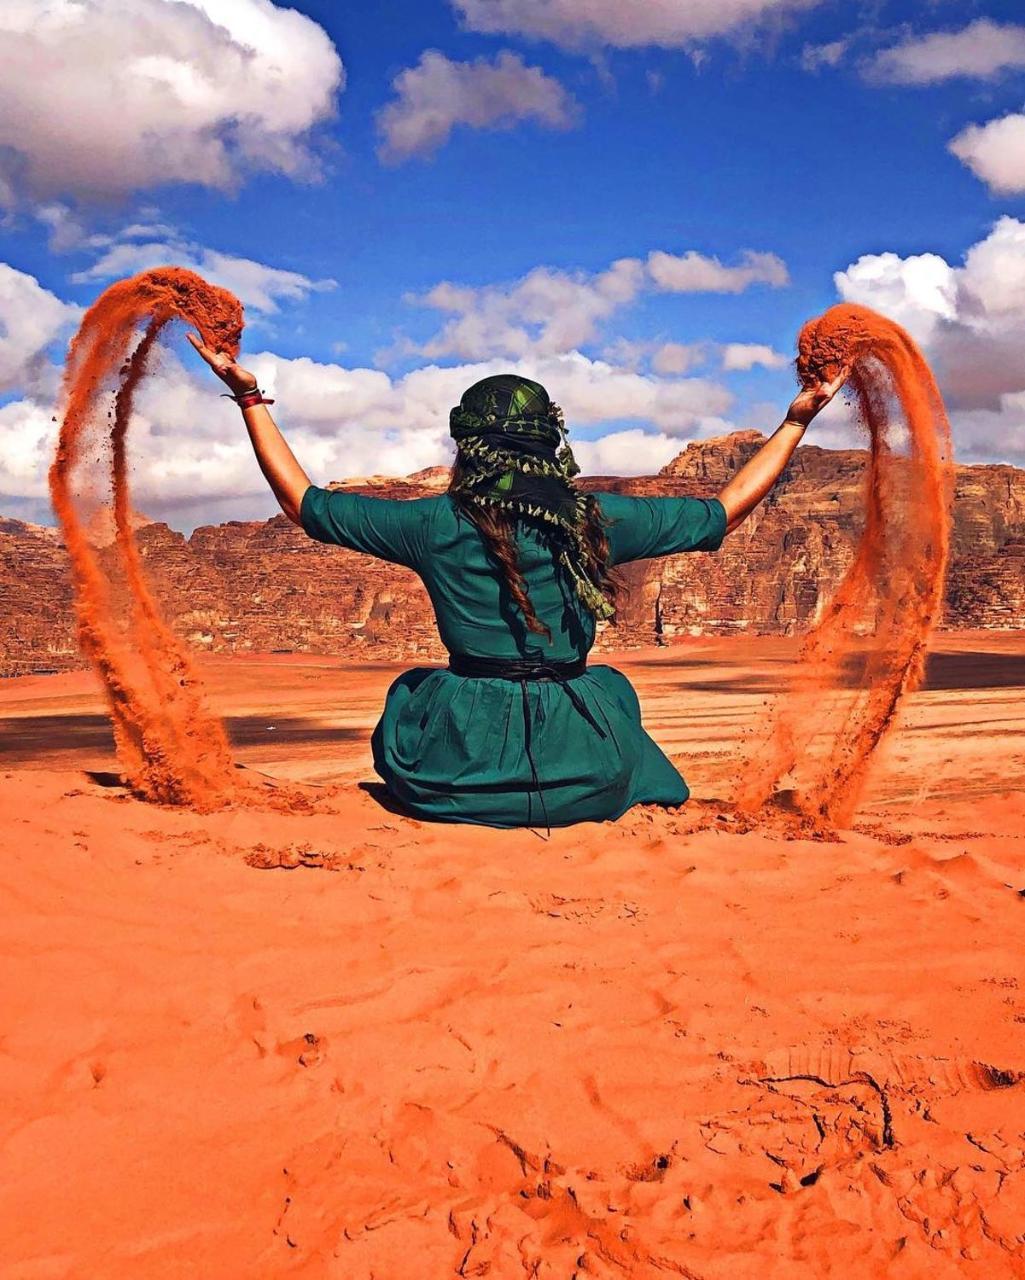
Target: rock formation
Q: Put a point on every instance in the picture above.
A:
(265, 586)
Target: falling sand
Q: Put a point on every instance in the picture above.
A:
(868, 648)
(170, 748)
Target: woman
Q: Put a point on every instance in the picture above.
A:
(517, 565)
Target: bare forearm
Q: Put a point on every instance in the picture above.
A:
(277, 461)
(758, 475)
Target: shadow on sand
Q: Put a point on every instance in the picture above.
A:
(30, 738)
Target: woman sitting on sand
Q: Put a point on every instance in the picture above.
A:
(513, 550)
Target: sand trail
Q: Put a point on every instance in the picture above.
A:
(169, 746)
(868, 649)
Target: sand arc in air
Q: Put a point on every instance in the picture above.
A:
(867, 649)
(170, 748)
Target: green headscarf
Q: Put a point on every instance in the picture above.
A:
(515, 455)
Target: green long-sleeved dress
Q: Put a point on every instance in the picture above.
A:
(450, 747)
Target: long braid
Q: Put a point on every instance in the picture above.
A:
(496, 525)
(495, 529)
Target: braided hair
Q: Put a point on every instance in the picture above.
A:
(507, 469)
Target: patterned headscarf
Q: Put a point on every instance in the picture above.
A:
(515, 455)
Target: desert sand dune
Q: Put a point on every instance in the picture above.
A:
(344, 1043)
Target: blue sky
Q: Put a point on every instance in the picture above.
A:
(815, 136)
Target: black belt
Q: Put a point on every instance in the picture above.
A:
(525, 670)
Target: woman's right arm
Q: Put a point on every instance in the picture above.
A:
(392, 529)
(758, 475)
(642, 528)
(286, 477)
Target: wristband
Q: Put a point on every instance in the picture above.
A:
(792, 422)
(246, 399)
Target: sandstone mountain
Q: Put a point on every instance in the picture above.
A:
(264, 586)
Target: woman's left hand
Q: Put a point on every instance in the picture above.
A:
(237, 379)
(811, 400)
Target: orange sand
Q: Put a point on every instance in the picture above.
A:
(345, 1044)
(867, 650)
(170, 748)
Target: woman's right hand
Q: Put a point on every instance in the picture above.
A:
(812, 400)
(237, 379)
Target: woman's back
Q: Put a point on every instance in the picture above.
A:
(474, 609)
(472, 750)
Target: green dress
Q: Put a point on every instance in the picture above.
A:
(451, 748)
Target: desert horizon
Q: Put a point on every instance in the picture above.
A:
(261, 585)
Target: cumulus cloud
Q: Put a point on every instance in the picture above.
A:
(970, 320)
(979, 51)
(327, 398)
(626, 453)
(31, 320)
(192, 464)
(593, 391)
(438, 94)
(918, 292)
(694, 272)
(621, 24)
(548, 311)
(27, 439)
(995, 152)
(259, 286)
(99, 98)
(742, 356)
(545, 312)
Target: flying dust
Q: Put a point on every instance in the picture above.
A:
(868, 648)
(170, 748)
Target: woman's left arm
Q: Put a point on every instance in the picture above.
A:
(277, 461)
(758, 475)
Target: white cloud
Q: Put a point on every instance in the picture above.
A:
(816, 56)
(593, 391)
(677, 357)
(31, 319)
(438, 94)
(979, 51)
(327, 398)
(549, 311)
(68, 232)
(995, 152)
(918, 292)
(970, 321)
(666, 358)
(993, 279)
(620, 23)
(259, 286)
(996, 434)
(99, 98)
(545, 312)
(694, 272)
(27, 439)
(626, 453)
(742, 356)
(190, 459)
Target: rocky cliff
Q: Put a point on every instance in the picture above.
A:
(263, 586)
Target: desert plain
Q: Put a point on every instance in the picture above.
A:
(343, 1043)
